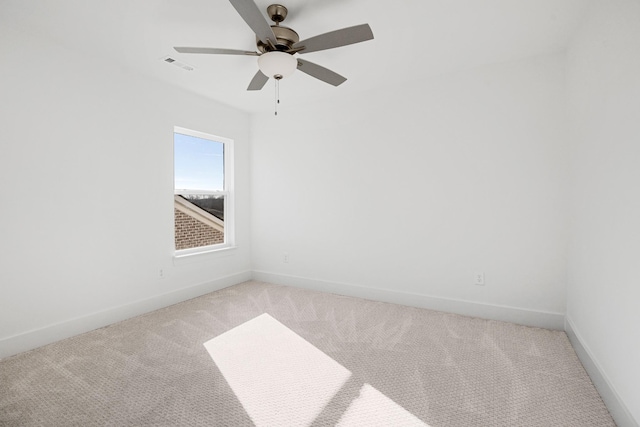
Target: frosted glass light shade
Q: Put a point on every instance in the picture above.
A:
(277, 64)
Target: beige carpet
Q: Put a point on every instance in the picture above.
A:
(261, 354)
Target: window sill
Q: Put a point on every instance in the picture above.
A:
(189, 255)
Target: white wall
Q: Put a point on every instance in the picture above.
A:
(414, 189)
(86, 165)
(603, 285)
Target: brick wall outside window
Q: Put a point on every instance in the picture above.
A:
(191, 233)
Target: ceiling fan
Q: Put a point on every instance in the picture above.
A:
(277, 45)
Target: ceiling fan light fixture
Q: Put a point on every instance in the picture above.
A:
(277, 46)
(277, 64)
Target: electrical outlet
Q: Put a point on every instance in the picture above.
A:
(285, 258)
(479, 279)
(161, 273)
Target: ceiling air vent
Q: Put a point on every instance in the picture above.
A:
(173, 61)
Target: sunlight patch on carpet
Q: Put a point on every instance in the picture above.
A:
(373, 408)
(280, 378)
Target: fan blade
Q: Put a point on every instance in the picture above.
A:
(258, 81)
(320, 73)
(215, 51)
(249, 11)
(337, 38)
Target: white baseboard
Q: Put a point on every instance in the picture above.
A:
(616, 406)
(517, 315)
(39, 337)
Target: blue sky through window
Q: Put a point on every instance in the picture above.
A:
(199, 163)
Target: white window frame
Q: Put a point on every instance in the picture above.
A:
(228, 193)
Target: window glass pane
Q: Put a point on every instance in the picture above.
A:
(199, 163)
(196, 227)
(200, 195)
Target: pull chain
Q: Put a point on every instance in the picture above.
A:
(277, 100)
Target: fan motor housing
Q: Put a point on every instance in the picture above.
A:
(285, 39)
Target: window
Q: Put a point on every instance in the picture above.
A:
(203, 191)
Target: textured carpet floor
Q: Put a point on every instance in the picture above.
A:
(277, 353)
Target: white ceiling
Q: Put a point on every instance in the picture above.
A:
(413, 39)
